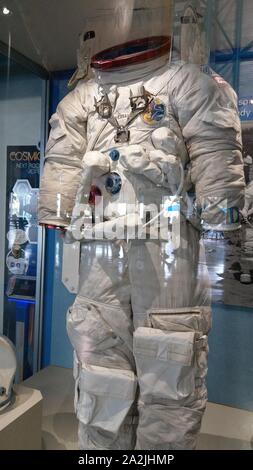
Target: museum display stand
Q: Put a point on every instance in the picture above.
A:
(20, 422)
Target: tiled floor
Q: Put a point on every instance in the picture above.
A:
(223, 428)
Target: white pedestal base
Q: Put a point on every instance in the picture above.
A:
(20, 422)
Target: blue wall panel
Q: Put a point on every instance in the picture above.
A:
(57, 349)
(61, 349)
(230, 374)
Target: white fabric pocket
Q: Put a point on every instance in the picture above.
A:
(88, 331)
(196, 319)
(165, 363)
(105, 398)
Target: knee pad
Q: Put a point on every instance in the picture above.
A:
(126, 439)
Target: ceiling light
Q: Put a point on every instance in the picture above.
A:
(6, 11)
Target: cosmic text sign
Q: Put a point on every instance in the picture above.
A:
(26, 159)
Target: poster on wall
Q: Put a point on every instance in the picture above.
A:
(230, 260)
(23, 167)
(22, 183)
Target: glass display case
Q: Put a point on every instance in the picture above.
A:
(22, 116)
(42, 77)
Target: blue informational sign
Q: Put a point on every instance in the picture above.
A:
(246, 108)
(23, 171)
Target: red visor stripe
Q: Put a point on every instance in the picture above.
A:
(158, 46)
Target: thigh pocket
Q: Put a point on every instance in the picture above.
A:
(88, 331)
(171, 355)
(105, 398)
(164, 362)
(196, 319)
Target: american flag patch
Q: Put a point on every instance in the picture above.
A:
(219, 80)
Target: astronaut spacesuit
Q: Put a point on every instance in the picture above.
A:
(140, 321)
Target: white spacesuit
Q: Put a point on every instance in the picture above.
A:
(140, 321)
